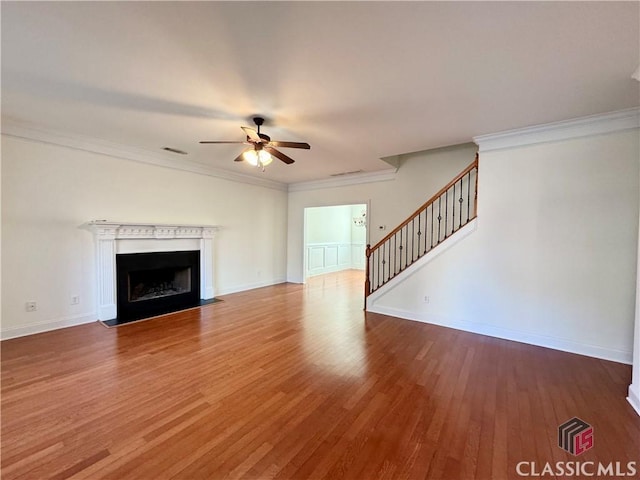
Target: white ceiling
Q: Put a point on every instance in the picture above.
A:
(357, 80)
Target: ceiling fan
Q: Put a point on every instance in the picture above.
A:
(262, 147)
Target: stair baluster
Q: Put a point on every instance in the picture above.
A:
(388, 254)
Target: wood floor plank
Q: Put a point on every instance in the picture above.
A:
(297, 382)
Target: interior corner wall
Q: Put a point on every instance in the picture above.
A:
(390, 202)
(552, 261)
(358, 232)
(49, 191)
(634, 388)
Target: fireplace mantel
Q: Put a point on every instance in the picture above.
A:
(113, 238)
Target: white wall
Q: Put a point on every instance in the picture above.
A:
(390, 202)
(358, 233)
(553, 259)
(358, 238)
(634, 388)
(333, 242)
(49, 191)
(329, 224)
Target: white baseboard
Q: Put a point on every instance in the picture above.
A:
(15, 332)
(250, 286)
(633, 398)
(334, 269)
(554, 343)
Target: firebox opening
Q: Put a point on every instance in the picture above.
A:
(157, 283)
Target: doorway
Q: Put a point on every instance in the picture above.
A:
(335, 239)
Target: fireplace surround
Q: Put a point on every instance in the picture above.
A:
(113, 239)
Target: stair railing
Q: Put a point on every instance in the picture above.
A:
(430, 225)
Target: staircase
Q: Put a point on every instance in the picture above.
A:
(435, 221)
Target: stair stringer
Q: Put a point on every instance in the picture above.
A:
(416, 266)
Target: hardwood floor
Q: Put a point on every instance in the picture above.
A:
(296, 381)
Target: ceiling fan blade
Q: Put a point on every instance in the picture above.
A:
(252, 134)
(214, 141)
(279, 155)
(306, 146)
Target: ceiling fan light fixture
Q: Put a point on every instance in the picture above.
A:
(251, 157)
(257, 158)
(264, 157)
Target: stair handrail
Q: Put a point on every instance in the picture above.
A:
(411, 218)
(431, 200)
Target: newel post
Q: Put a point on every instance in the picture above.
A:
(475, 200)
(367, 282)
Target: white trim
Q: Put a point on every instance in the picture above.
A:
(16, 129)
(554, 343)
(354, 179)
(633, 399)
(251, 286)
(40, 327)
(336, 243)
(331, 244)
(553, 132)
(465, 231)
(327, 267)
(156, 231)
(333, 269)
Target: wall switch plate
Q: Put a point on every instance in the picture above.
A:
(75, 300)
(426, 299)
(31, 306)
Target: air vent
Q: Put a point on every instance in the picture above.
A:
(346, 173)
(175, 150)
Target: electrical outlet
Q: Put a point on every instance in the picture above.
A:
(31, 306)
(426, 299)
(75, 299)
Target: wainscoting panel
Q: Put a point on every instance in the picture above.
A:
(358, 255)
(315, 259)
(333, 257)
(344, 255)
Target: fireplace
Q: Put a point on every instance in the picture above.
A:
(154, 283)
(130, 255)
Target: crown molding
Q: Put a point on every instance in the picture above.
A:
(343, 181)
(77, 142)
(564, 130)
